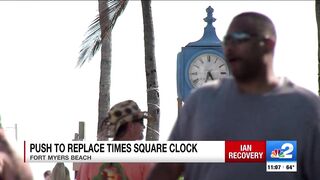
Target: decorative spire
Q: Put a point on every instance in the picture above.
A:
(209, 19)
(209, 37)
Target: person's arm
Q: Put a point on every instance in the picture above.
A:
(11, 165)
(82, 172)
(167, 171)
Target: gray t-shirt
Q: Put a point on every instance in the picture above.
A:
(218, 111)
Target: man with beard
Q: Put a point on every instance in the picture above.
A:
(252, 105)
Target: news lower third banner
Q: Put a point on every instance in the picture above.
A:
(279, 156)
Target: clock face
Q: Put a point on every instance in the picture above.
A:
(207, 67)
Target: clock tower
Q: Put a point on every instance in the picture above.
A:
(201, 61)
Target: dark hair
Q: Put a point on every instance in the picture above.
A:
(263, 23)
(46, 173)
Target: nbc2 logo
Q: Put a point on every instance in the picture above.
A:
(284, 152)
(281, 150)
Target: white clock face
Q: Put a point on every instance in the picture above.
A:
(207, 67)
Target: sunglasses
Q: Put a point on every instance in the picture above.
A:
(238, 38)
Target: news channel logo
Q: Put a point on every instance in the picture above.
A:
(281, 150)
(281, 156)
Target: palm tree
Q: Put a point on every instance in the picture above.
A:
(318, 25)
(151, 72)
(92, 43)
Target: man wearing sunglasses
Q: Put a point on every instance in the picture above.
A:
(252, 105)
(124, 122)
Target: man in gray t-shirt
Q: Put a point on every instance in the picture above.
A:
(253, 105)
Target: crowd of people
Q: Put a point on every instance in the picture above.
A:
(245, 106)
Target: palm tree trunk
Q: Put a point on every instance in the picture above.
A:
(151, 73)
(318, 25)
(105, 67)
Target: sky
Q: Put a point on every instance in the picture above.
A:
(46, 95)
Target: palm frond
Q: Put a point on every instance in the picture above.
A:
(91, 44)
(113, 11)
(107, 18)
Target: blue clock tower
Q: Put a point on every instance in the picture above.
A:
(200, 61)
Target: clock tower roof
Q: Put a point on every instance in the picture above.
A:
(209, 38)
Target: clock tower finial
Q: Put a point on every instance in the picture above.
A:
(209, 37)
(209, 19)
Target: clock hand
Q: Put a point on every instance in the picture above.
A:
(209, 75)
